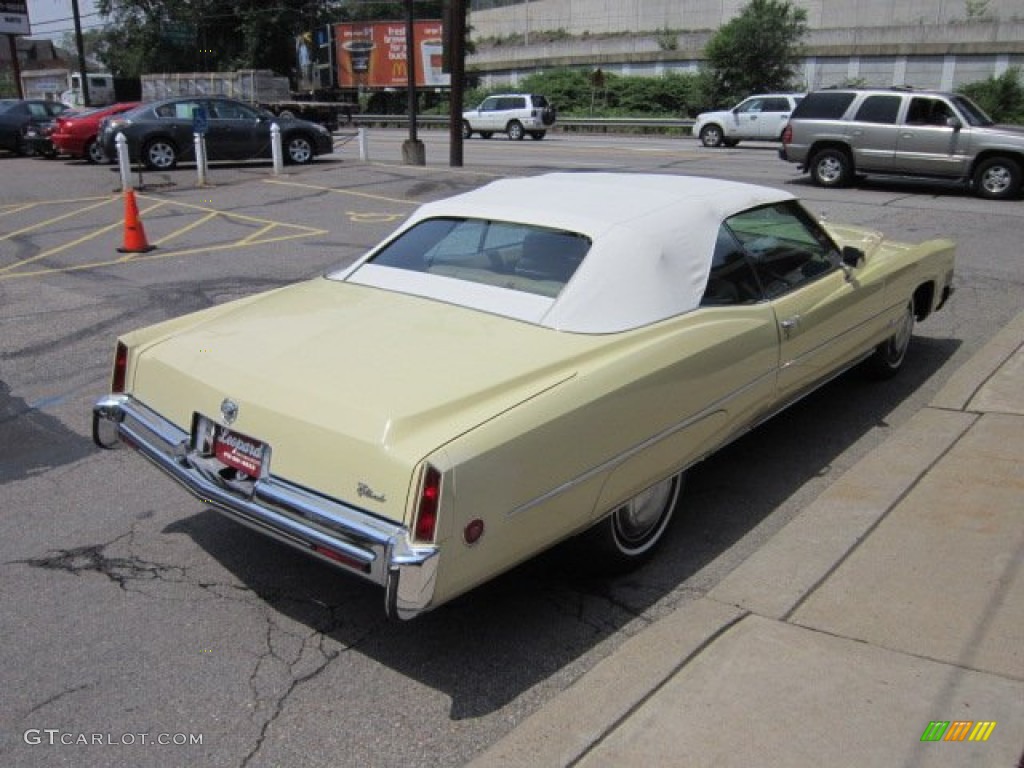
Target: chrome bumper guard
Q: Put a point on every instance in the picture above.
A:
(343, 536)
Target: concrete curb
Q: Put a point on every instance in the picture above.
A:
(776, 579)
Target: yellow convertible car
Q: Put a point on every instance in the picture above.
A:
(538, 358)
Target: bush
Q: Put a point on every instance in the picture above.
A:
(578, 93)
(1002, 97)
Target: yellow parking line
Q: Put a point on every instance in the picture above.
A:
(186, 228)
(59, 248)
(150, 256)
(343, 192)
(55, 219)
(247, 240)
(17, 208)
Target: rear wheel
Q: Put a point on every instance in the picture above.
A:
(997, 178)
(94, 152)
(888, 356)
(831, 168)
(629, 535)
(160, 155)
(515, 131)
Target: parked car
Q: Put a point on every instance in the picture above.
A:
(21, 117)
(77, 133)
(514, 114)
(756, 118)
(536, 359)
(839, 134)
(161, 133)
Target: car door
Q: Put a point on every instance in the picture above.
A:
(234, 131)
(746, 119)
(487, 119)
(775, 113)
(928, 144)
(874, 131)
(826, 317)
(174, 120)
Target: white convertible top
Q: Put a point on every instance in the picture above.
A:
(652, 241)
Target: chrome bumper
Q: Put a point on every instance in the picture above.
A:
(343, 536)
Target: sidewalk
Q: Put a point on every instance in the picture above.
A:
(894, 600)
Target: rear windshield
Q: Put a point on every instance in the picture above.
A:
(823, 105)
(504, 254)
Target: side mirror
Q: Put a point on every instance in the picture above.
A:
(954, 123)
(853, 257)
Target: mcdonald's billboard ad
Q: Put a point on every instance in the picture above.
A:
(373, 54)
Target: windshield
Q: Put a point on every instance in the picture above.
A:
(974, 114)
(508, 255)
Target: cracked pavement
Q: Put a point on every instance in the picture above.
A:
(129, 608)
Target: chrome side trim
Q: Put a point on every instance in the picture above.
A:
(355, 541)
(622, 458)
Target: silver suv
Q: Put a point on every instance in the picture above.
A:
(839, 134)
(514, 114)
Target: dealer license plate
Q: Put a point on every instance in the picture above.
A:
(238, 451)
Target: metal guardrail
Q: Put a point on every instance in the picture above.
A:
(564, 124)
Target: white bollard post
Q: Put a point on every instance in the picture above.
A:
(275, 147)
(200, 145)
(124, 162)
(364, 152)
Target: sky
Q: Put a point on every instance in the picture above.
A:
(52, 18)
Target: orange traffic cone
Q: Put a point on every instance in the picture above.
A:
(134, 234)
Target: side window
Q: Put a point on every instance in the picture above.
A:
(824, 105)
(751, 105)
(879, 109)
(776, 105)
(787, 246)
(732, 279)
(489, 104)
(925, 111)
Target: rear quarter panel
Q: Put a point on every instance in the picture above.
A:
(647, 405)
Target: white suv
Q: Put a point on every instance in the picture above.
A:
(515, 114)
(758, 118)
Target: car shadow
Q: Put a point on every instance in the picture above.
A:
(901, 185)
(488, 647)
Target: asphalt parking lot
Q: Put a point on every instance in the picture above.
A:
(128, 608)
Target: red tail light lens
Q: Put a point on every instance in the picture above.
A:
(787, 134)
(120, 368)
(430, 501)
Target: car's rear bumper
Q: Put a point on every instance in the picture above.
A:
(344, 536)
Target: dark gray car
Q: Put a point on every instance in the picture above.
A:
(161, 133)
(18, 116)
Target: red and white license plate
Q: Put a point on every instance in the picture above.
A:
(238, 451)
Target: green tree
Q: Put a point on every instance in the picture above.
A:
(220, 35)
(757, 51)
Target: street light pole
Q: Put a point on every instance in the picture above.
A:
(413, 151)
(82, 74)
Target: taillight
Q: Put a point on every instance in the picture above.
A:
(787, 134)
(425, 526)
(120, 368)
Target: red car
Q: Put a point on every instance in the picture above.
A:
(75, 134)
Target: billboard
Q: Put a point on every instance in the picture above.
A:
(373, 54)
(14, 17)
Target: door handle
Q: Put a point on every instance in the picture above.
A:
(789, 325)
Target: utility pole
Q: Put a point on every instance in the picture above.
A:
(82, 74)
(455, 48)
(413, 151)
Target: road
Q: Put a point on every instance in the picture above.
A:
(130, 612)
